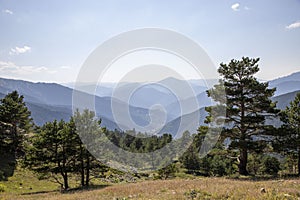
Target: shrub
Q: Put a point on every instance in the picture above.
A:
(271, 165)
(2, 188)
(168, 171)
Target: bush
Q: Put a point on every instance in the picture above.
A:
(255, 163)
(2, 188)
(218, 166)
(168, 171)
(271, 165)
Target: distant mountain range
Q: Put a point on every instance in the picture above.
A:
(286, 84)
(49, 101)
(284, 100)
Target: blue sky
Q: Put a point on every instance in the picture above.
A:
(49, 40)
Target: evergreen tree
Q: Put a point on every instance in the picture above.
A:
(190, 159)
(16, 122)
(52, 152)
(89, 130)
(288, 135)
(247, 105)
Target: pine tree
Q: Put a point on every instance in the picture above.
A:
(16, 121)
(247, 105)
(288, 138)
(52, 152)
(89, 130)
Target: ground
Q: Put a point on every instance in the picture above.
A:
(24, 185)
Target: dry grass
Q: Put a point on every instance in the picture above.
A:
(199, 188)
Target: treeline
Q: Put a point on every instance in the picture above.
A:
(247, 144)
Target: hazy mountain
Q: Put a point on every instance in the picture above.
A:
(53, 101)
(145, 94)
(185, 122)
(49, 101)
(291, 77)
(287, 87)
(284, 100)
(286, 84)
(188, 105)
(42, 113)
(48, 93)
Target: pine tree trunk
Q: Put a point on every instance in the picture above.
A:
(87, 180)
(243, 162)
(82, 166)
(298, 162)
(82, 175)
(66, 184)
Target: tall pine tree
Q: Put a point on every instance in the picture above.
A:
(247, 105)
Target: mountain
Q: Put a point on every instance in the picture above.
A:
(187, 105)
(47, 93)
(292, 77)
(42, 113)
(185, 122)
(145, 94)
(286, 84)
(49, 101)
(284, 100)
(287, 87)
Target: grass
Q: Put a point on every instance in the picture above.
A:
(24, 181)
(178, 188)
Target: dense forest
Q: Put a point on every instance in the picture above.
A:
(248, 144)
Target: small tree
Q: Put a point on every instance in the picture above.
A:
(89, 130)
(288, 135)
(271, 165)
(191, 159)
(168, 171)
(52, 152)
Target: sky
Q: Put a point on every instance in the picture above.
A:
(49, 41)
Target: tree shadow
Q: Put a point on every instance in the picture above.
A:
(263, 177)
(70, 190)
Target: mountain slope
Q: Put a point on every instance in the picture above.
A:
(186, 122)
(51, 101)
(287, 87)
(284, 100)
(291, 77)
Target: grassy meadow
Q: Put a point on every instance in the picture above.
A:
(25, 185)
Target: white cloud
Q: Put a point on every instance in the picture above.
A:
(293, 25)
(65, 67)
(235, 6)
(59, 74)
(8, 11)
(19, 50)
(12, 68)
